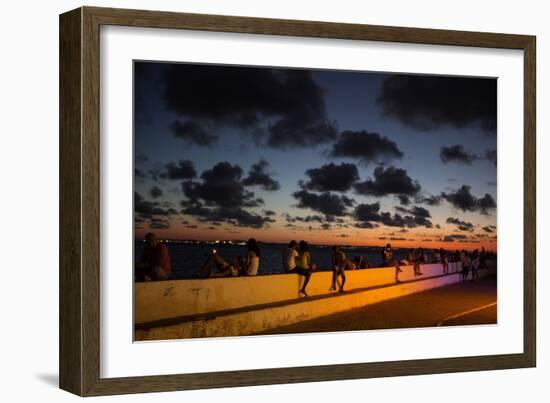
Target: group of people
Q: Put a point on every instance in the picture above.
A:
(470, 261)
(296, 258)
(247, 266)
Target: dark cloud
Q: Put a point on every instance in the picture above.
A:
(368, 214)
(155, 192)
(462, 225)
(146, 209)
(429, 102)
(259, 176)
(285, 107)
(342, 236)
(489, 228)
(141, 158)
(404, 200)
(454, 237)
(221, 196)
(365, 225)
(347, 201)
(429, 200)
(306, 219)
(457, 153)
(233, 215)
(184, 169)
(398, 220)
(491, 155)
(221, 186)
(331, 177)
(326, 203)
(310, 218)
(463, 199)
(416, 211)
(269, 213)
(139, 174)
(388, 181)
(365, 147)
(420, 216)
(192, 133)
(486, 204)
(159, 223)
(154, 174)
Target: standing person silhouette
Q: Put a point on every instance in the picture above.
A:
(339, 261)
(466, 263)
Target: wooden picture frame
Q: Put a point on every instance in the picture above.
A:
(80, 184)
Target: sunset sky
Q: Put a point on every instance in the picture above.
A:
(332, 157)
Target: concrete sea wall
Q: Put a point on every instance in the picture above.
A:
(171, 299)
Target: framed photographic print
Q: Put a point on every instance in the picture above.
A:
(237, 194)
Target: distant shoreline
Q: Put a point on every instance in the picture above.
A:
(239, 242)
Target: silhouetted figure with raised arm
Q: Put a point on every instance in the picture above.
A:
(224, 269)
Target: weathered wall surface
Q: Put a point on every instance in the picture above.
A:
(251, 321)
(175, 298)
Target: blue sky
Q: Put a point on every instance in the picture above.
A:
(345, 101)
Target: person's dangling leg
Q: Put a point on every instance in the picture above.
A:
(343, 275)
(334, 276)
(307, 275)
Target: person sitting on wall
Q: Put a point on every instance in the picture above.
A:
(251, 262)
(290, 257)
(224, 269)
(365, 264)
(304, 267)
(154, 263)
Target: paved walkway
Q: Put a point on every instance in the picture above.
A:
(469, 303)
